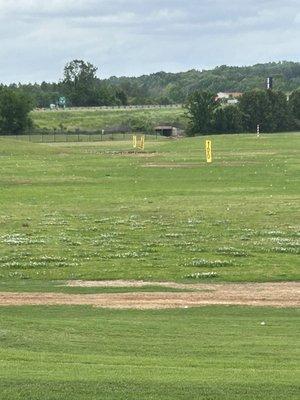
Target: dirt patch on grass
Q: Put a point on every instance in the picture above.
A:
(285, 294)
(132, 153)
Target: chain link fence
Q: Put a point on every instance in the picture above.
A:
(78, 136)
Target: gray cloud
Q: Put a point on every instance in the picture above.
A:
(133, 37)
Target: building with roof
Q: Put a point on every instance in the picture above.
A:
(167, 130)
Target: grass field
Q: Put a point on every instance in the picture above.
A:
(99, 211)
(207, 353)
(100, 119)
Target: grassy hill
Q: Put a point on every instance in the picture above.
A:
(97, 119)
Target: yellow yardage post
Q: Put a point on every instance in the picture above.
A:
(134, 141)
(208, 148)
(142, 142)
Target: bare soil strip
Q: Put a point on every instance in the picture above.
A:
(272, 286)
(285, 294)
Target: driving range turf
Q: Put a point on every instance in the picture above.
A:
(98, 211)
(203, 353)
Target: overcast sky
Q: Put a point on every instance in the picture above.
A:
(135, 37)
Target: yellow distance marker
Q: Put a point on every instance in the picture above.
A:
(208, 148)
(134, 141)
(142, 142)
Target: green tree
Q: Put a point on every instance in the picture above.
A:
(294, 103)
(280, 119)
(80, 82)
(200, 109)
(163, 100)
(14, 111)
(228, 119)
(267, 108)
(254, 106)
(121, 96)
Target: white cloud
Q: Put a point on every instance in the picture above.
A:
(131, 37)
(43, 7)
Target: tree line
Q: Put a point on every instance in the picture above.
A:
(79, 85)
(274, 111)
(15, 107)
(82, 87)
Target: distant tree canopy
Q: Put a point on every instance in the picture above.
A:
(294, 102)
(80, 83)
(201, 106)
(14, 111)
(267, 108)
(177, 87)
(197, 89)
(228, 119)
(82, 87)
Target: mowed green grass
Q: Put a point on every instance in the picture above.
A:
(205, 353)
(93, 119)
(96, 211)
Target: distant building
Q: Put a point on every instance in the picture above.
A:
(222, 95)
(232, 101)
(167, 130)
(229, 97)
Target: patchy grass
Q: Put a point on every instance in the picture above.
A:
(94, 212)
(95, 120)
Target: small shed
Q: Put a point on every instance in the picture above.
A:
(166, 130)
